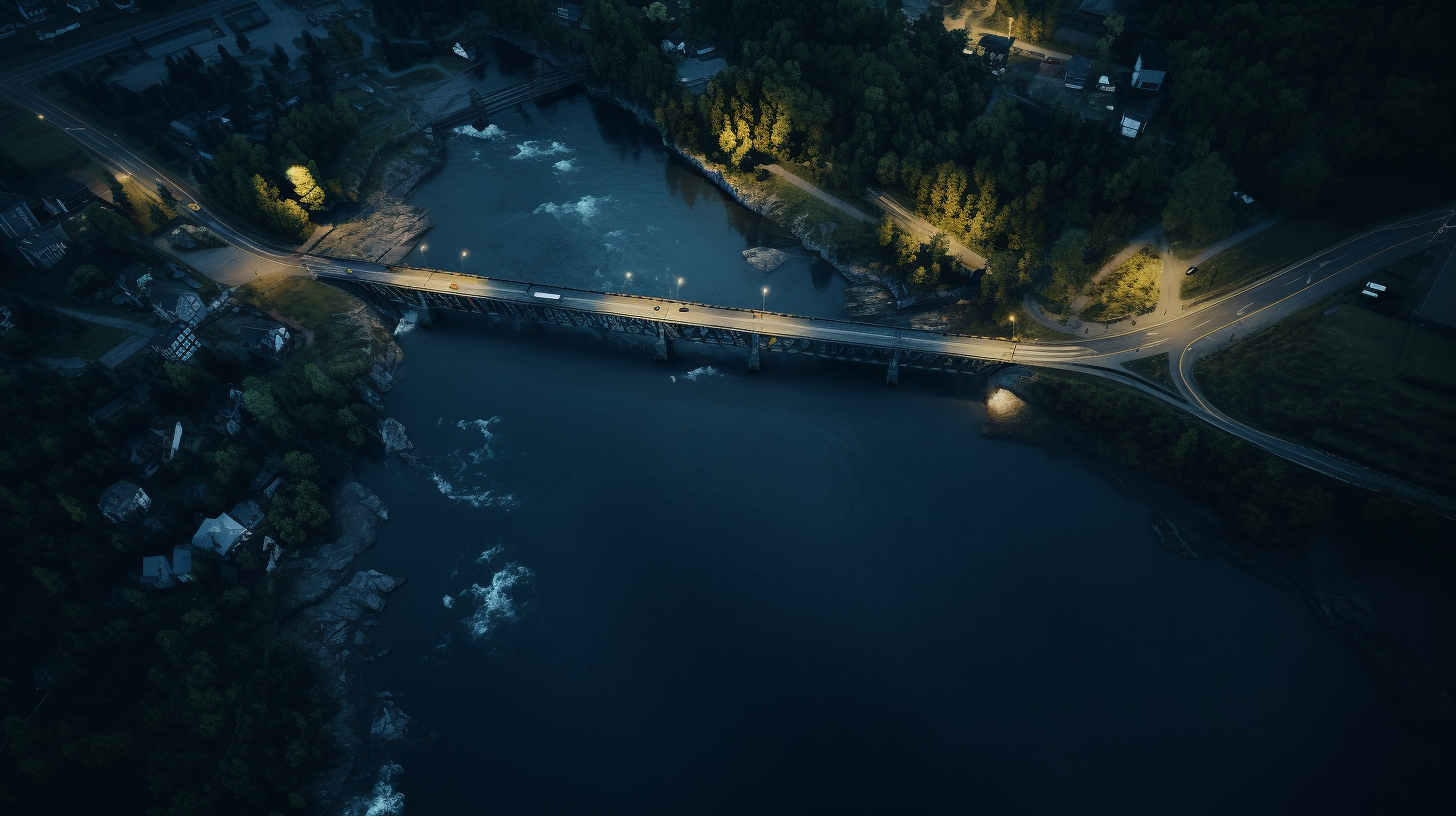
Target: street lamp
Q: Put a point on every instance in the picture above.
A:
(464, 258)
(1013, 328)
(763, 304)
(679, 288)
(423, 256)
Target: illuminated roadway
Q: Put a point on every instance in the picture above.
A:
(1189, 335)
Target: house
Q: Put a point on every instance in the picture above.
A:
(134, 281)
(141, 455)
(1133, 123)
(156, 571)
(568, 14)
(123, 499)
(182, 305)
(269, 343)
(1151, 68)
(72, 192)
(248, 514)
(996, 49)
(43, 248)
(1076, 76)
(16, 219)
(176, 343)
(31, 9)
(83, 6)
(219, 534)
(187, 127)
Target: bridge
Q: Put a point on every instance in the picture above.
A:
(482, 106)
(667, 320)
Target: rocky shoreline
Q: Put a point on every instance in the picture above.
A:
(385, 227)
(1191, 530)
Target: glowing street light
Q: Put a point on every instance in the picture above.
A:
(1013, 328)
(763, 304)
(629, 278)
(464, 258)
(426, 258)
(679, 288)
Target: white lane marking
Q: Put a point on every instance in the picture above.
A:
(1204, 323)
(1240, 312)
(1150, 345)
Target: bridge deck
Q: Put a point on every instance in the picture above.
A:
(686, 313)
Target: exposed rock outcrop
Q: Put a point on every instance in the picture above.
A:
(764, 259)
(358, 514)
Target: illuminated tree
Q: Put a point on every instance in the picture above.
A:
(309, 193)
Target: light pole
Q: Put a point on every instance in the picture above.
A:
(763, 304)
(423, 256)
(1013, 328)
(464, 258)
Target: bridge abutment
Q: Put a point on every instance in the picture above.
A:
(892, 377)
(753, 354)
(659, 352)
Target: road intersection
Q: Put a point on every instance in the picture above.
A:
(1187, 336)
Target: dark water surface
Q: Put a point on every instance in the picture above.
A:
(576, 193)
(685, 589)
(804, 591)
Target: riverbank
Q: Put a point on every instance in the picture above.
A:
(1325, 560)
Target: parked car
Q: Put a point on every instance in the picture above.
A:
(1191, 270)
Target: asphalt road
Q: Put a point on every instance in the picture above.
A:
(1188, 335)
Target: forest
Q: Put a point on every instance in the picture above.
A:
(1307, 104)
(186, 700)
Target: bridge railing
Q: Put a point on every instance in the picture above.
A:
(830, 321)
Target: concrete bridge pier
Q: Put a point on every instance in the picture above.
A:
(892, 377)
(753, 355)
(422, 311)
(660, 351)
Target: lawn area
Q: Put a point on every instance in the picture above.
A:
(1291, 240)
(305, 302)
(79, 338)
(1154, 368)
(1352, 382)
(36, 145)
(1129, 290)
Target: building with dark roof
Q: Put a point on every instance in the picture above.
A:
(16, 219)
(176, 342)
(268, 342)
(72, 192)
(175, 304)
(42, 248)
(123, 500)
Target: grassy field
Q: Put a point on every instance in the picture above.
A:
(1290, 240)
(1154, 368)
(79, 338)
(1129, 290)
(1352, 382)
(39, 147)
(312, 305)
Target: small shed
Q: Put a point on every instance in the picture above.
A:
(1077, 69)
(1151, 69)
(156, 571)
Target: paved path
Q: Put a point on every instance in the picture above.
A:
(908, 220)
(812, 190)
(124, 350)
(113, 322)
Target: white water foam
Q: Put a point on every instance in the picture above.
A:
(496, 603)
(489, 554)
(449, 602)
(530, 150)
(483, 426)
(565, 165)
(695, 374)
(474, 498)
(586, 207)
(492, 133)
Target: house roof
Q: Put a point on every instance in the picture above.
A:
(181, 561)
(218, 534)
(167, 297)
(248, 513)
(168, 334)
(1154, 55)
(156, 571)
(996, 42)
(118, 496)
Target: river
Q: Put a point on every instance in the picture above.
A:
(685, 588)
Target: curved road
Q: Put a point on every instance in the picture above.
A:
(1189, 335)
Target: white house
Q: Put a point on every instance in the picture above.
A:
(219, 535)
